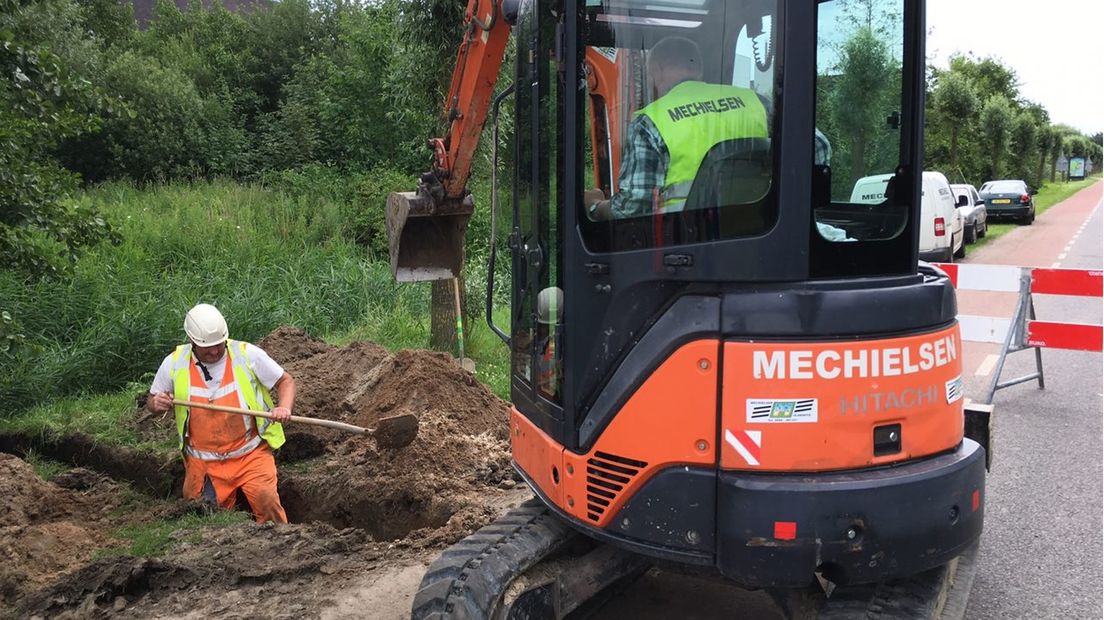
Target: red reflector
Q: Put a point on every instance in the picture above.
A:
(785, 530)
(940, 227)
(975, 501)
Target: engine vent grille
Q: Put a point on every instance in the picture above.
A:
(608, 475)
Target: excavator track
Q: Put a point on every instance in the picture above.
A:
(530, 564)
(527, 564)
(470, 578)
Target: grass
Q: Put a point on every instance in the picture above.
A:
(265, 257)
(1049, 195)
(45, 468)
(106, 418)
(154, 538)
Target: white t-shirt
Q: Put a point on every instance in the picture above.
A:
(267, 370)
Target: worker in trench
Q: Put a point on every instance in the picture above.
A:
(225, 453)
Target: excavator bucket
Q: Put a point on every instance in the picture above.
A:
(426, 236)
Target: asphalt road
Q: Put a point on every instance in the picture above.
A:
(1040, 556)
(1041, 553)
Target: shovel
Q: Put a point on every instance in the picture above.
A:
(397, 431)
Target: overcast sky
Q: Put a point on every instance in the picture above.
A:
(1054, 47)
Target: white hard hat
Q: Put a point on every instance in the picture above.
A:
(205, 326)
(550, 305)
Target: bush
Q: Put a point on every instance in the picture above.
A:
(165, 130)
(365, 216)
(41, 104)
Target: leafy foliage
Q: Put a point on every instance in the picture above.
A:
(41, 103)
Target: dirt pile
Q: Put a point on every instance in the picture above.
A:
(438, 487)
(45, 530)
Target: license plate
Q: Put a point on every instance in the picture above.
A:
(1001, 201)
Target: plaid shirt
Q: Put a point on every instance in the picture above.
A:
(644, 163)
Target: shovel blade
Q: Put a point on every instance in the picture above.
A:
(397, 431)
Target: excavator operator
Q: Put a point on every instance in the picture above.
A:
(668, 139)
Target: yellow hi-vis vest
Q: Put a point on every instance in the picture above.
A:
(247, 386)
(692, 118)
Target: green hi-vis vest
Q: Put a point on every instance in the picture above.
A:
(247, 386)
(692, 118)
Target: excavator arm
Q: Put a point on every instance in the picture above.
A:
(426, 227)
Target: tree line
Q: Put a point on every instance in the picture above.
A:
(979, 127)
(323, 89)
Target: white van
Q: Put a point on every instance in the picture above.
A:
(941, 229)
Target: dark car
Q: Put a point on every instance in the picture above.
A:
(975, 220)
(1010, 199)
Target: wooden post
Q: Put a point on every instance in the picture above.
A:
(442, 325)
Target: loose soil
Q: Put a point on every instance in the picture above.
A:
(365, 519)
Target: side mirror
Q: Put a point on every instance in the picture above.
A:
(979, 202)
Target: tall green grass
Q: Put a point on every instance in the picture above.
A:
(264, 258)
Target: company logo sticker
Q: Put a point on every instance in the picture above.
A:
(954, 389)
(764, 410)
(748, 444)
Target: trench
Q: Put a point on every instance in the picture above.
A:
(386, 511)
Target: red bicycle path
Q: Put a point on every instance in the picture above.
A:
(1041, 244)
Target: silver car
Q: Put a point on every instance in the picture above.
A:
(975, 220)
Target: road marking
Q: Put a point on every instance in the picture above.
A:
(1062, 256)
(986, 366)
(1056, 265)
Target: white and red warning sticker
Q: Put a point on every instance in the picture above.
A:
(748, 444)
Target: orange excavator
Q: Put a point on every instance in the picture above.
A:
(736, 371)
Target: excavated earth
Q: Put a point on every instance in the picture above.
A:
(365, 519)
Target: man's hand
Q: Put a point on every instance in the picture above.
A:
(595, 197)
(160, 402)
(281, 414)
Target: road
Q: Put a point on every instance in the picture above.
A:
(1041, 553)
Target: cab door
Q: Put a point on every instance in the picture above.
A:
(537, 323)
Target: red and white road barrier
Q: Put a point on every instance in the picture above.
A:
(1023, 330)
(1028, 281)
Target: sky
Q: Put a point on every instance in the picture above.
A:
(1055, 47)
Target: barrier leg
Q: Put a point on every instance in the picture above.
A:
(1038, 350)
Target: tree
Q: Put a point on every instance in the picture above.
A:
(988, 76)
(1023, 147)
(1045, 140)
(1056, 150)
(997, 123)
(858, 101)
(957, 101)
(42, 227)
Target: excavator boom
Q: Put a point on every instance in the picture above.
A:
(426, 227)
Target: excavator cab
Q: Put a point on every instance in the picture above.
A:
(719, 359)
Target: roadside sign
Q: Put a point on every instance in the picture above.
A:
(1063, 164)
(1076, 168)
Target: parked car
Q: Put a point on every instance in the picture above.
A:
(1009, 198)
(941, 227)
(974, 215)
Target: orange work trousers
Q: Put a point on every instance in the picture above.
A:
(253, 473)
